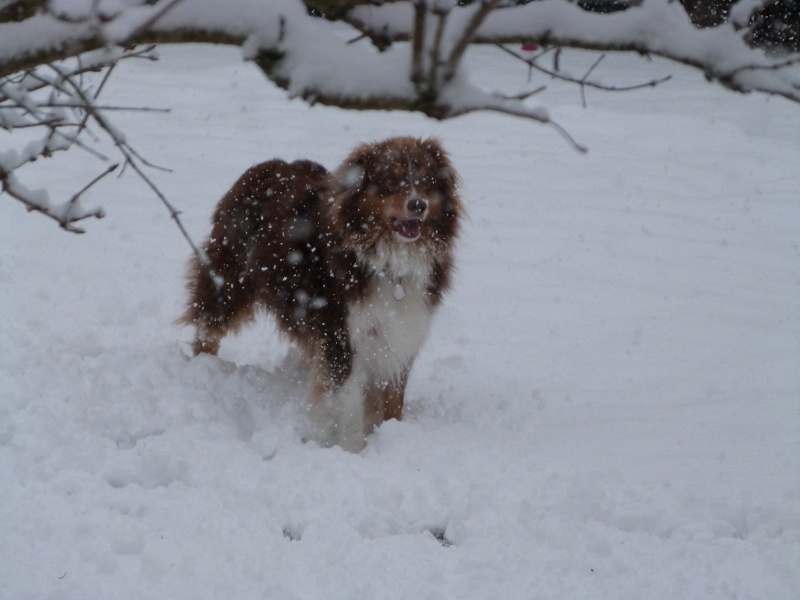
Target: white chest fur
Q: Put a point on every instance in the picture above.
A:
(389, 326)
(387, 329)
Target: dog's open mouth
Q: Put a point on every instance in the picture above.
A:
(408, 229)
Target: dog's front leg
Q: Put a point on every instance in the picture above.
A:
(337, 412)
(349, 402)
(336, 409)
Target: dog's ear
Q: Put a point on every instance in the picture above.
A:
(352, 176)
(349, 178)
(345, 186)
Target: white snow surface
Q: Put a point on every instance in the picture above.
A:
(607, 407)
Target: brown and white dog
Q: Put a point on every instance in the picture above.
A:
(352, 264)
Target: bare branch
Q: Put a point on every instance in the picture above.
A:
(517, 109)
(584, 81)
(66, 215)
(62, 91)
(76, 105)
(132, 159)
(72, 202)
(525, 95)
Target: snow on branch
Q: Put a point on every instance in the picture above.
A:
(365, 54)
(54, 102)
(310, 59)
(650, 27)
(66, 214)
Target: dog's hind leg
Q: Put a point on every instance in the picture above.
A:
(207, 340)
(215, 308)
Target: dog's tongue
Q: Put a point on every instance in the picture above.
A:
(409, 228)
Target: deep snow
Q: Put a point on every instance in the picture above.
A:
(608, 406)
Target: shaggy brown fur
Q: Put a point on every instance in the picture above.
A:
(319, 249)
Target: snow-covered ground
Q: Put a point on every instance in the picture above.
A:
(608, 406)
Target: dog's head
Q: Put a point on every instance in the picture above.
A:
(399, 191)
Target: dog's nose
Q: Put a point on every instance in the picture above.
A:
(417, 206)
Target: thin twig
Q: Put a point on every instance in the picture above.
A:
(586, 77)
(132, 158)
(72, 201)
(357, 39)
(521, 111)
(104, 80)
(18, 79)
(65, 220)
(524, 95)
(43, 121)
(57, 104)
(531, 62)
